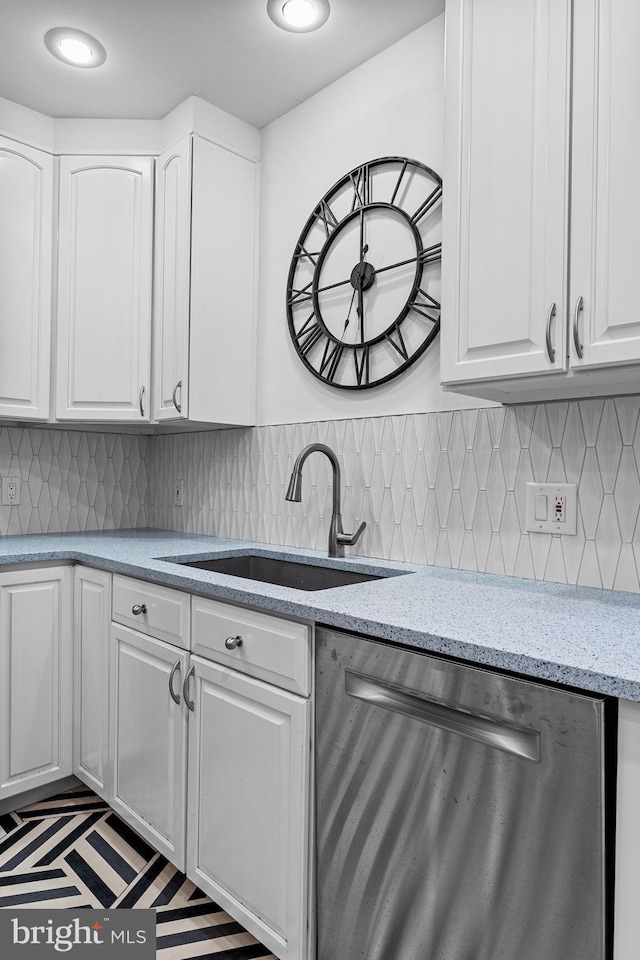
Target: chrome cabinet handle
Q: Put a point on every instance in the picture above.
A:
(185, 688)
(177, 405)
(141, 400)
(579, 347)
(232, 642)
(138, 608)
(174, 669)
(551, 353)
(522, 741)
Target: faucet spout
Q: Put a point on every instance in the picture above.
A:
(337, 537)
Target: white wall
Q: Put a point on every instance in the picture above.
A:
(391, 105)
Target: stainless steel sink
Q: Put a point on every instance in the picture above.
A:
(283, 573)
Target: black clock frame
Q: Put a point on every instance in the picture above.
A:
(315, 328)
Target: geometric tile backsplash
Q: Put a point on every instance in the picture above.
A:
(73, 480)
(442, 488)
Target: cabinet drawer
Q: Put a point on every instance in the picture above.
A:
(167, 614)
(275, 650)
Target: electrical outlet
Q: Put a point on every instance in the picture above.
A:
(10, 491)
(552, 508)
(178, 493)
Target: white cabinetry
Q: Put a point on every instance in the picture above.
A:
(26, 209)
(104, 288)
(248, 823)
(605, 239)
(509, 300)
(91, 616)
(171, 291)
(204, 314)
(35, 678)
(149, 739)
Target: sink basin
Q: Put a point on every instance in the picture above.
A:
(283, 573)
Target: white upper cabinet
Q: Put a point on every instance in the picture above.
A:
(506, 176)
(223, 286)
(204, 312)
(515, 310)
(104, 288)
(26, 208)
(171, 291)
(605, 241)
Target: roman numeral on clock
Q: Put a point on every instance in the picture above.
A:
(431, 200)
(331, 359)
(361, 182)
(308, 335)
(325, 214)
(399, 343)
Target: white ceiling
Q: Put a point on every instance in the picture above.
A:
(159, 52)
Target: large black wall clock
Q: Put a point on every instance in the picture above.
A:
(364, 283)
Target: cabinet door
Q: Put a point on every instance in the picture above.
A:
(171, 303)
(35, 678)
(223, 284)
(248, 822)
(148, 741)
(104, 288)
(26, 208)
(505, 202)
(91, 619)
(605, 227)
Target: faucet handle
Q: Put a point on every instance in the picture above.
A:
(348, 539)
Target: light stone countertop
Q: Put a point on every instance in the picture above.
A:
(579, 636)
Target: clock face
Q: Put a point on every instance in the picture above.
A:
(364, 283)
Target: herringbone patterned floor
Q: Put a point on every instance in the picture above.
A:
(72, 850)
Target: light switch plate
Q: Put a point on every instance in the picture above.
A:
(560, 512)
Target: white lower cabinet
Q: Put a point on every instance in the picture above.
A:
(248, 810)
(148, 743)
(91, 617)
(35, 678)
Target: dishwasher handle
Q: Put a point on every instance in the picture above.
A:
(521, 741)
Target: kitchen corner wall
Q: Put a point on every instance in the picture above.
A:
(73, 480)
(443, 488)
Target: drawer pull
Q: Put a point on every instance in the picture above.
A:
(138, 608)
(185, 688)
(174, 669)
(232, 642)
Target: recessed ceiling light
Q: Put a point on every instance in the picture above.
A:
(75, 47)
(298, 16)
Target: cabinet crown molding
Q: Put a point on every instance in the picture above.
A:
(71, 135)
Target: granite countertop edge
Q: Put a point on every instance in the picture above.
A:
(578, 636)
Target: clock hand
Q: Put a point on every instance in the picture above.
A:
(342, 283)
(427, 255)
(346, 323)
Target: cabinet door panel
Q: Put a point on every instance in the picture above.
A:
(35, 678)
(606, 187)
(92, 615)
(223, 266)
(148, 739)
(104, 288)
(248, 803)
(172, 258)
(26, 206)
(506, 188)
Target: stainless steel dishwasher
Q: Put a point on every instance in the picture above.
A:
(460, 811)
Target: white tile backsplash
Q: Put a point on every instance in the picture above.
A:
(442, 488)
(73, 480)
